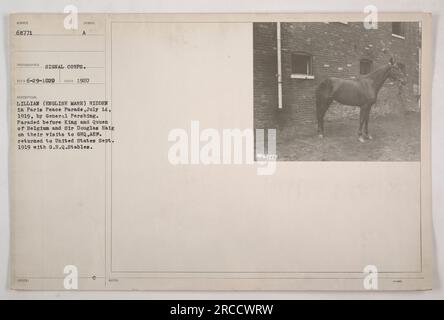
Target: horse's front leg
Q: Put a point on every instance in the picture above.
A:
(367, 116)
(362, 113)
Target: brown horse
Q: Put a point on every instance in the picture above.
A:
(361, 92)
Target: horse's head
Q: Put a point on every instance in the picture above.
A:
(397, 72)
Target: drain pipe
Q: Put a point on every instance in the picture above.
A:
(279, 64)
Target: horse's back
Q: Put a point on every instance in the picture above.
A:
(346, 83)
(352, 92)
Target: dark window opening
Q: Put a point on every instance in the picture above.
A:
(365, 66)
(301, 64)
(398, 29)
(402, 67)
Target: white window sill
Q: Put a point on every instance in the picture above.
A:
(302, 76)
(398, 36)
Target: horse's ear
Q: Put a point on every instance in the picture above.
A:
(392, 61)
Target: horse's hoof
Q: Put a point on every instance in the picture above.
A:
(369, 137)
(361, 139)
(321, 136)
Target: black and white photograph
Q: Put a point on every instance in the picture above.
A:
(339, 91)
(225, 158)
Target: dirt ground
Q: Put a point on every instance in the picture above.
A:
(395, 138)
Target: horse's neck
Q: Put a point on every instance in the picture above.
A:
(378, 77)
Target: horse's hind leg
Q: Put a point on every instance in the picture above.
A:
(321, 108)
(362, 119)
(361, 123)
(320, 120)
(367, 116)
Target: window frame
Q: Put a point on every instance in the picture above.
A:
(309, 75)
(401, 34)
(403, 67)
(370, 64)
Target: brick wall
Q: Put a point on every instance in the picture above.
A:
(265, 70)
(337, 49)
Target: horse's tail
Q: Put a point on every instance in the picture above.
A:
(323, 97)
(323, 100)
